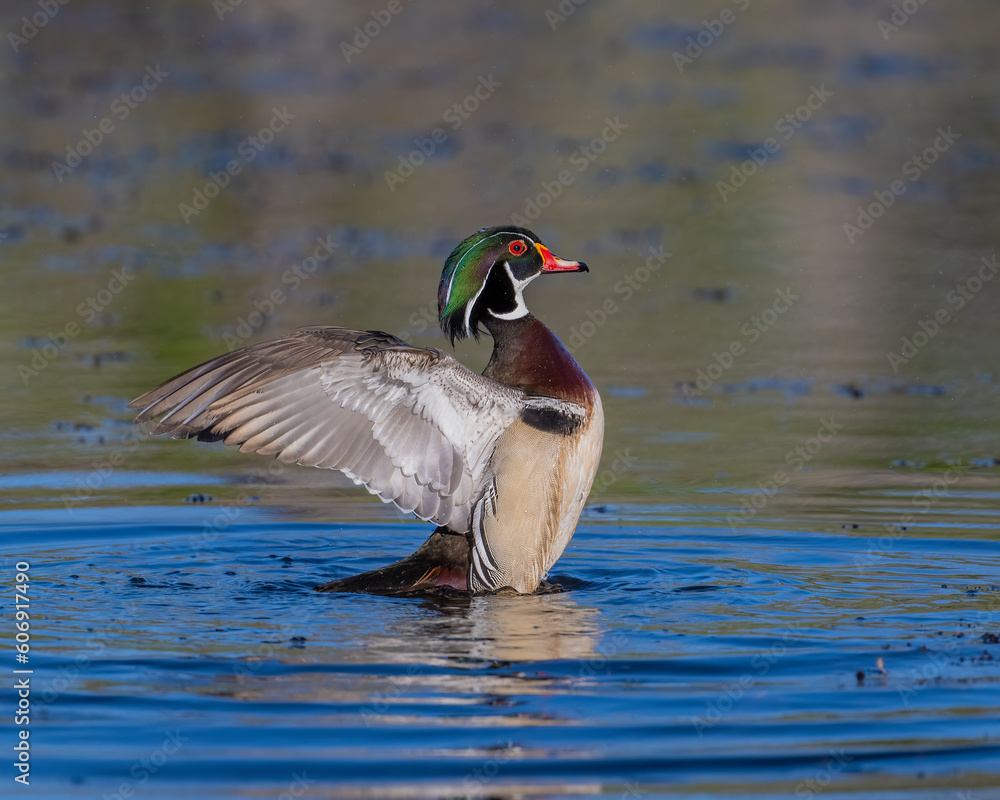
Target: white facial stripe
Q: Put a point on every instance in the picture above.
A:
(472, 304)
(521, 310)
(451, 283)
(454, 275)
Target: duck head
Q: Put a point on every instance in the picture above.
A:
(484, 278)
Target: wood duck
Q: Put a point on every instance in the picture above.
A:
(501, 462)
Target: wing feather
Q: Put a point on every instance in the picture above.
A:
(411, 424)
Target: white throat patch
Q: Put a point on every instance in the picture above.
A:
(521, 310)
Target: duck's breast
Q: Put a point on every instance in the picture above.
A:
(529, 510)
(578, 469)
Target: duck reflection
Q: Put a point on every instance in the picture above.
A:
(473, 651)
(517, 628)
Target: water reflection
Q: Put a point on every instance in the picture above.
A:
(467, 652)
(521, 629)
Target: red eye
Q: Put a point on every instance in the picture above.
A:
(518, 248)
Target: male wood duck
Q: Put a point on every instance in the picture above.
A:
(501, 462)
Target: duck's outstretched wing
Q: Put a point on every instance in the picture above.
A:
(410, 423)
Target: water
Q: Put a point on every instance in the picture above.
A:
(785, 583)
(683, 657)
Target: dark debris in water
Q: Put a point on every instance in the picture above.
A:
(790, 387)
(199, 498)
(72, 426)
(856, 389)
(698, 587)
(850, 389)
(141, 583)
(713, 294)
(114, 356)
(108, 430)
(885, 65)
(688, 394)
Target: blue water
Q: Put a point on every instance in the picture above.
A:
(683, 658)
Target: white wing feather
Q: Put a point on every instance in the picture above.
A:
(413, 425)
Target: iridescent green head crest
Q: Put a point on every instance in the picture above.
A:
(485, 276)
